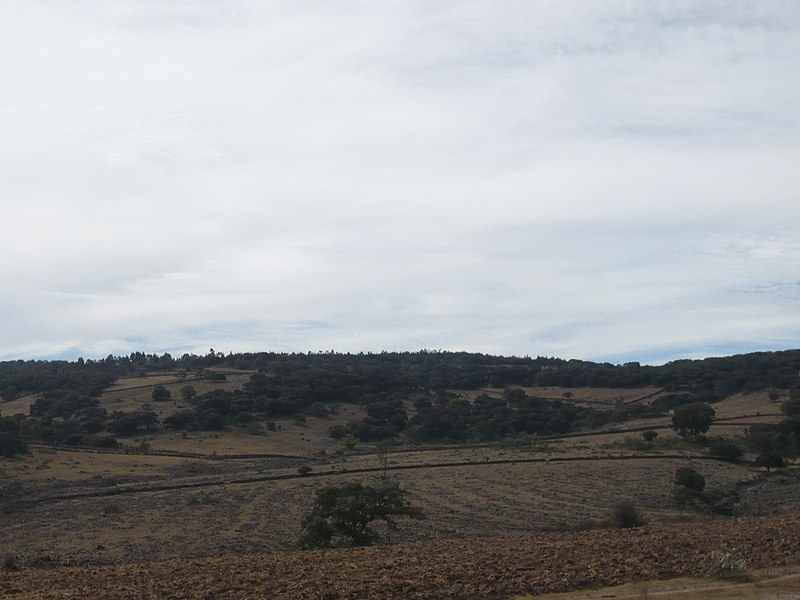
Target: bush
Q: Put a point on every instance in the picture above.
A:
(727, 565)
(625, 515)
(791, 407)
(689, 478)
(726, 449)
(649, 435)
(337, 432)
(11, 445)
(161, 394)
(255, 429)
(10, 563)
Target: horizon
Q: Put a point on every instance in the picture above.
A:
(627, 359)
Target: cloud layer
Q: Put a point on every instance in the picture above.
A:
(603, 180)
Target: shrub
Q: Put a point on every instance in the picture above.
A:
(255, 429)
(649, 435)
(337, 432)
(726, 449)
(727, 565)
(791, 407)
(626, 515)
(689, 478)
(161, 394)
(11, 445)
(10, 563)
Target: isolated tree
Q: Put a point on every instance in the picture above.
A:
(770, 460)
(188, 392)
(382, 449)
(161, 394)
(341, 514)
(649, 435)
(693, 419)
(689, 478)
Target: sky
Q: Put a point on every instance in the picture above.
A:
(604, 180)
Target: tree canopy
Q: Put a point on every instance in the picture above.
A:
(694, 418)
(341, 514)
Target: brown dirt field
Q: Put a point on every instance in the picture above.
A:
(751, 403)
(491, 567)
(19, 406)
(781, 583)
(602, 396)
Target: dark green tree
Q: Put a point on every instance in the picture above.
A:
(341, 514)
(649, 435)
(693, 419)
(161, 394)
(726, 449)
(689, 478)
(769, 460)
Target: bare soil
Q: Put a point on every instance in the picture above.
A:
(490, 567)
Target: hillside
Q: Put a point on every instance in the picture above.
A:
(124, 471)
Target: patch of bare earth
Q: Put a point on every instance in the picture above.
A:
(492, 567)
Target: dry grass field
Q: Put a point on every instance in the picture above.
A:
(474, 499)
(20, 406)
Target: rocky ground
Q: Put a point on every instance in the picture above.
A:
(492, 567)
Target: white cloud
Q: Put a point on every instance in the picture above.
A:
(587, 179)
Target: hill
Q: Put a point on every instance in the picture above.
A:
(152, 464)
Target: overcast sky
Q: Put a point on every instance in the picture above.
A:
(605, 180)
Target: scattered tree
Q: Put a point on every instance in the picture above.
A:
(689, 478)
(769, 460)
(341, 514)
(649, 435)
(188, 393)
(161, 394)
(693, 419)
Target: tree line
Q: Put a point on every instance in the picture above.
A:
(401, 392)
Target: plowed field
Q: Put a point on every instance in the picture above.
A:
(493, 567)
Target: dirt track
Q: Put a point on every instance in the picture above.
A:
(478, 568)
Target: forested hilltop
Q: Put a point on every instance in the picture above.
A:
(413, 394)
